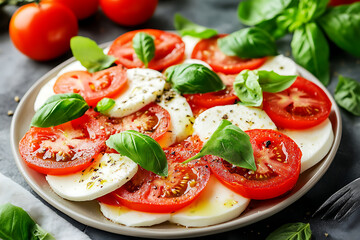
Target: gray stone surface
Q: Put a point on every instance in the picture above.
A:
(18, 73)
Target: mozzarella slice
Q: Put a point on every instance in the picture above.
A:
(244, 117)
(106, 174)
(216, 204)
(181, 117)
(314, 143)
(281, 65)
(190, 43)
(144, 85)
(132, 218)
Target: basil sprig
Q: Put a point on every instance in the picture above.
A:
(90, 55)
(292, 231)
(140, 148)
(16, 223)
(59, 109)
(144, 47)
(249, 85)
(347, 94)
(230, 143)
(193, 78)
(248, 43)
(104, 105)
(186, 27)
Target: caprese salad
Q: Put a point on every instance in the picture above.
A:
(230, 129)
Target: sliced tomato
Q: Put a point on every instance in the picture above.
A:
(208, 51)
(302, 105)
(64, 149)
(152, 120)
(149, 192)
(169, 49)
(277, 159)
(93, 87)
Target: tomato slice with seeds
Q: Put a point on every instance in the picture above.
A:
(149, 192)
(63, 149)
(169, 49)
(208, 51)
(278, 162)
(93, 86)
(302, 105)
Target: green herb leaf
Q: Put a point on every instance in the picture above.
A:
(310, 10)
(59, 109)
(347, 94)
(15, 223)
(193, 78)
(253, 12)
(292, 231)
(230, 143)
(144, 47)
(342, 26)
(247, 88)
(90, 54)
(186, 27)
(272, 82)
(104, 105)
(311, 50)
(248, 43)
(140, 148)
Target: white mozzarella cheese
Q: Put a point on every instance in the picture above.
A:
(314, 143)
(181, 117)
(144, 85)
(281, 65)
(106, 174)
(190, 43)
(244, 117)
(216, 204)
(132, 218)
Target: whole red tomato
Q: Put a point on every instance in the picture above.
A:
(128, 12)
(43, 31)
(82, 8)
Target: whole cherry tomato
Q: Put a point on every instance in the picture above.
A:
(43, 31)
(81, 8)
(128, 12)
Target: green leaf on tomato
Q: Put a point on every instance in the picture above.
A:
(291, 231)
(187, 28)
(140, 148)
(59, 109)
(347, 94)
(144, 47)
(193, 78)
(104, 105)
(90, 55)
(230, 143)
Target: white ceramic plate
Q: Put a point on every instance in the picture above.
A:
(88, 212)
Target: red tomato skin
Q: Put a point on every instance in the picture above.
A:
(129, 12)
(43, 31)
(81, 8)
(257, 188)
(341, 2)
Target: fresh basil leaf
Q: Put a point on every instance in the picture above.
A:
(273, 28)
(186, 27)
(248, 43)
(144, 47)
(90, 55)
(311, 50)
(230, 143)
(252, 12)
(272, 82)
(291, 231)
(247, 88)
(310, 10)
(342, 25)
(347, 94)
(16, 224)
(104, 105)
(193, 78)
(59, 109)
(140, 148)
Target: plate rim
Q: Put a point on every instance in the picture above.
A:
(173, 232)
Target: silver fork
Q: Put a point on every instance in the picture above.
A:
(342, 203)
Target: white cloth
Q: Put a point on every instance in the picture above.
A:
(51, 222)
